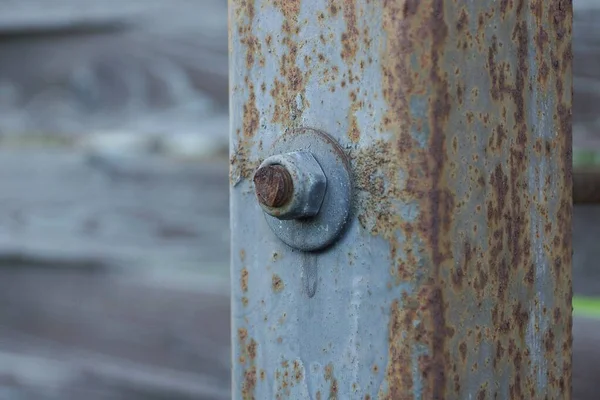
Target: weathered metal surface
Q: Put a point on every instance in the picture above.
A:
(453, 280)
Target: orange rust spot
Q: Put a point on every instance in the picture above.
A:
(530, 276)
(353, 130)
(401, 335)
(249, 383)
(244, 280)
(284, 92)
(520, 318)
(460, 92)
(350, 38)
(470, 117)
(329, 377)
(242, 334)
(333, 8)
(253, 49)
(241, 165)
(277, 283)
(481, 395)
(251, 115)
(298, 374)
(463, 21)
(247, 357)
(504, 6)
(244, 301)
(252, 349)
(289, 8)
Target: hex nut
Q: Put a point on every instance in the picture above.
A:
(322, 230)
(308, 185)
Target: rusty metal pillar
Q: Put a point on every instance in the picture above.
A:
(440, 266)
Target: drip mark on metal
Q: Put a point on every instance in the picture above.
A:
(309, 274)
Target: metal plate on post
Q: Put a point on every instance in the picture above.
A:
(321, 231)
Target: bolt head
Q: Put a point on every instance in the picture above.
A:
(290, 186)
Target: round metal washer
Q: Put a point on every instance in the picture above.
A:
(324, 229)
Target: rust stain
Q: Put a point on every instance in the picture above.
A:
(504, 6)
(244, 280)
(287, 376)
(288, 89)
(351, 37)
(561, 21)
(241, 166)
(353, 127)
(242, 21)
(463, 21)
(249, 384)
(251, 116)
(298, 372)
(425, 185)
(353, 130)
(277, 284)
(247, 348)
(430, 180)
(245, 15)
(399, 368)
(333, 7)
(289, 8)
(333, 385)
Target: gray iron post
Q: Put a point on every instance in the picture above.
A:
(408, 234)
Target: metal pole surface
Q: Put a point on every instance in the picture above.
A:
(452, 277)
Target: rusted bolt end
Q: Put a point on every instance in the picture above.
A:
(290, 185)
(273, 185)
